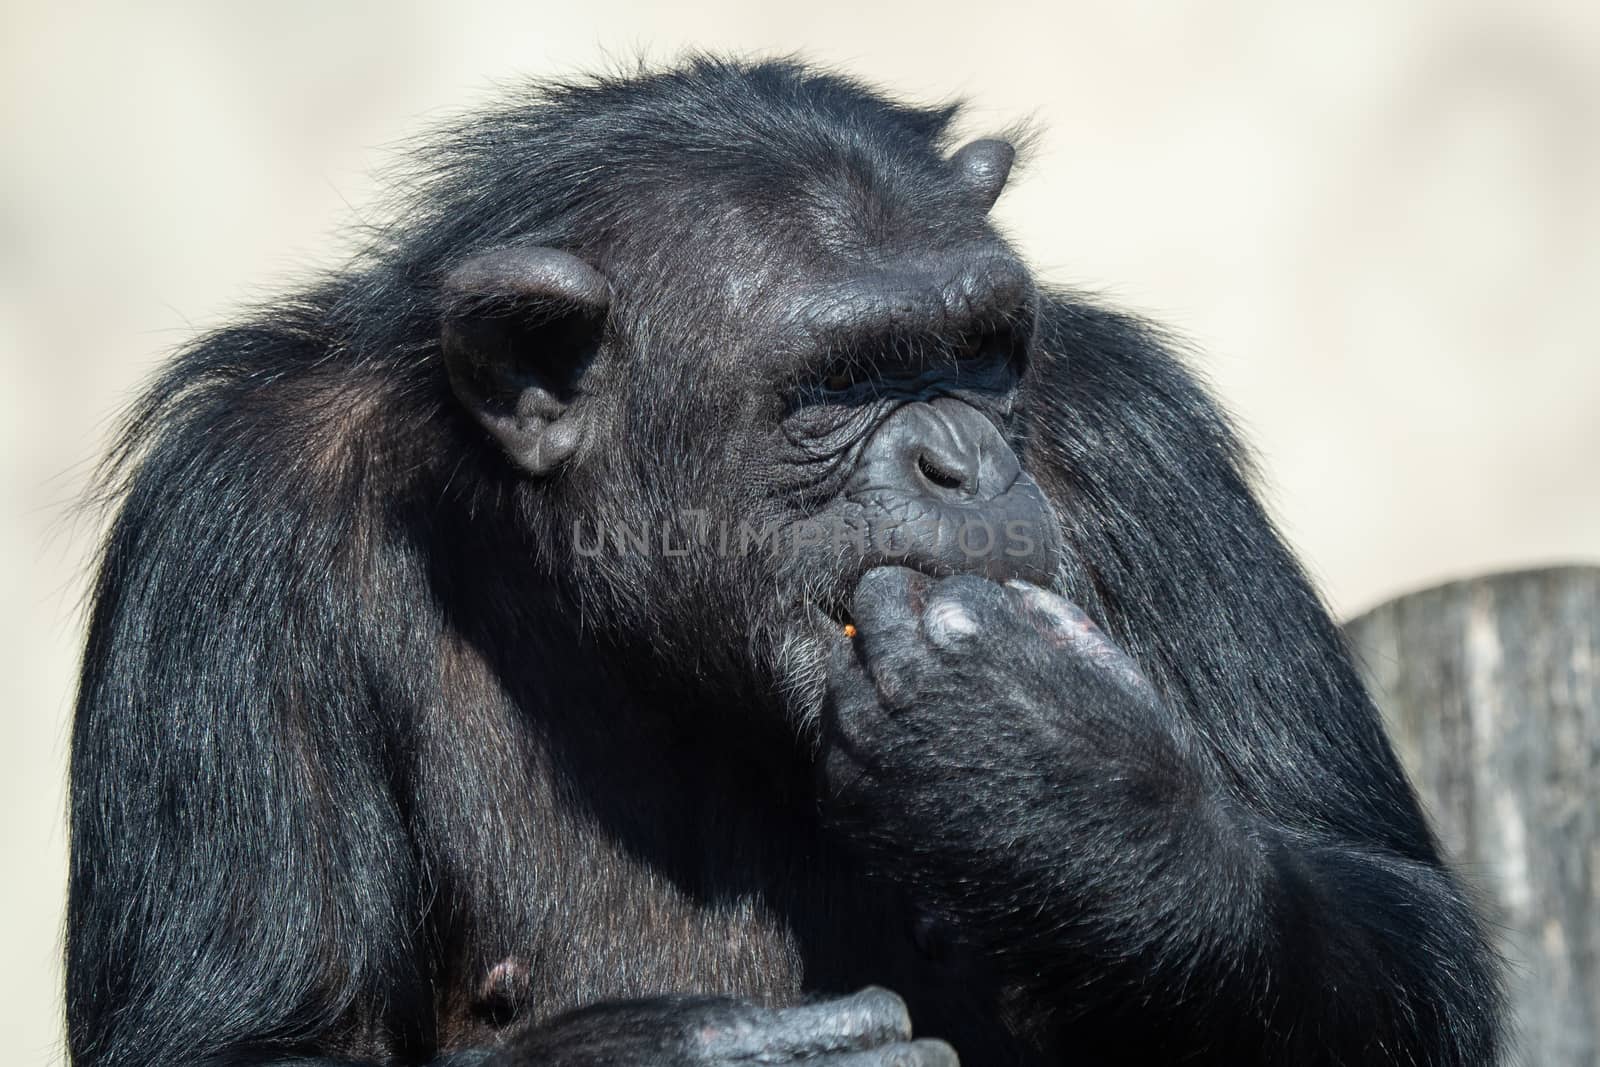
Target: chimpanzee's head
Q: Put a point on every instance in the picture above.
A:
(765, 340)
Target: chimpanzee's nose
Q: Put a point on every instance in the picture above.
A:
(943, 449)
(938, 488)
(947, 470)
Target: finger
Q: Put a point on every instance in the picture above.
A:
(852, 694)
(887, 601)
(1060, 612)
(864, 1020)
(1070, 627)
(887, 609)
(923, 1053)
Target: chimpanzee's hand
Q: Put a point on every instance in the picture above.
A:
(995, 721)
(869, 1029)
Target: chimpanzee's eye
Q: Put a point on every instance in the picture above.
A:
(989, 346)
(842, 374)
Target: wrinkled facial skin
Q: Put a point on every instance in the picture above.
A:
(896, 444)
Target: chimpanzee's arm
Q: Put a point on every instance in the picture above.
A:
(1035, 792)
(1204, 843)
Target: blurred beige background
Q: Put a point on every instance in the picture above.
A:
(1379, 222)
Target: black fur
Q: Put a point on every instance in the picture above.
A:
(371, 764)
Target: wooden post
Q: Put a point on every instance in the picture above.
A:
(1491, 689)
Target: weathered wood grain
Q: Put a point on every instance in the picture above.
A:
(1491, 688)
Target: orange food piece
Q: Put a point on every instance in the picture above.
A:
(849, 629)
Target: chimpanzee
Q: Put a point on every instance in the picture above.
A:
(685, 593)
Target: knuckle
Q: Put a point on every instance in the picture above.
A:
(948, 623)
(963, 607)
(885, 1009)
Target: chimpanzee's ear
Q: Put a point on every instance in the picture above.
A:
(520, 327)
(982, 168)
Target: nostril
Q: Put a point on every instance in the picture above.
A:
(936, 474)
